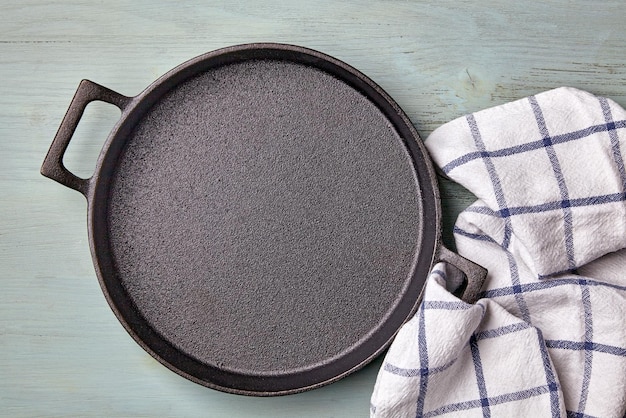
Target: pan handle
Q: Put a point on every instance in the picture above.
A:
(470, 278)
(86, 93)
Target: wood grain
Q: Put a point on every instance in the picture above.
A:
(63, 352)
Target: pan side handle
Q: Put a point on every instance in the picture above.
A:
(470, 278)
(86, 93)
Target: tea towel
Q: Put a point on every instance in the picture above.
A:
(547, 338)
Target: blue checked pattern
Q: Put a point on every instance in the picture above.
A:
(548, 334)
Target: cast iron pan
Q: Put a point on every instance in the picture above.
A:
(262, 218)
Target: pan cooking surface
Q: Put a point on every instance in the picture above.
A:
(264, 217)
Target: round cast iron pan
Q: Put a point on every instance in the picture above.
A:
(262, 218)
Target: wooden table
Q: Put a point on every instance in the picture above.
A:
(63, 353)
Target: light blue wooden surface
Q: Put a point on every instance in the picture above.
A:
(63, 353)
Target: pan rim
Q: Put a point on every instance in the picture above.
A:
(426, 181)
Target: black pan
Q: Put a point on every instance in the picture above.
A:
(262, 218)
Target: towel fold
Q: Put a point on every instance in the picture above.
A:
(548, 335)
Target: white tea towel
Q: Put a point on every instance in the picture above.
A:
(547, 338)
